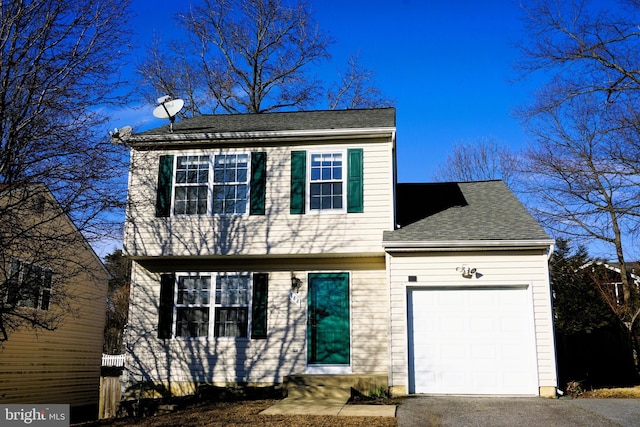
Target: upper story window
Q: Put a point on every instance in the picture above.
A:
(29, 285)
(219, 184)
(230, 183)
(327, 181)
(326, 185)
(192, 185)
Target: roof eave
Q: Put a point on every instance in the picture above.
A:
(465, 245)
(263, 136)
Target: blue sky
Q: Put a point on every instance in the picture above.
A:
(447, 64)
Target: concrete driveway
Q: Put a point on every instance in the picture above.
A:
(428, 411)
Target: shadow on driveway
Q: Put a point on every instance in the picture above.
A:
(429, 411)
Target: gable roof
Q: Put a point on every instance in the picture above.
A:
(26, 193)
(484, 213)
(282, 121)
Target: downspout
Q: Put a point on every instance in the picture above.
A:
(394, 166)
(550, 254)
(559, 391)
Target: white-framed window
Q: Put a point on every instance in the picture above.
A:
(192, 306)
(326, 182)
(232, 305)
(29, 285)
(211, 184)
(197, 304)
(230, 183)
(192, 185)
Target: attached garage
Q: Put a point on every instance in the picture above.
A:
(470, 299)
(471, 340)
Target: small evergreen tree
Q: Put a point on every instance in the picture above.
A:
(578, 305)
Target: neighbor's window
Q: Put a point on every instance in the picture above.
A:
(192, 306)
(29, 285)
(230, 183)
(231, 305)
(192, 185)
(326, 184)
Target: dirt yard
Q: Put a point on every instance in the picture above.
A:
(242, 413)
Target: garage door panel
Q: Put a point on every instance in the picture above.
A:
(452, 353)
(483, 353)
(483, 326)
(485, 380)
(471, 341)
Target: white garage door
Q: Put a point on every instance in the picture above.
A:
(471, 341)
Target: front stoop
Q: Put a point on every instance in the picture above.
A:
(319, 392)
(328, 395)
(361, 383)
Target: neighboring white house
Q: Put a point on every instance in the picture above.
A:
(268, 245)
(608, 277)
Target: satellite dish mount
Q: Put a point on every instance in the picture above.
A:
(168, 109)
(120, 136)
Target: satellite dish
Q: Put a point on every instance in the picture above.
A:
(118, 136)
(168, 109)
(125, 132)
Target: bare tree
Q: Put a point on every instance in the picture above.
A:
(584, 164)
(253, 56)
(59, 60)
(172, 69)
(480, 160)
(356, 89)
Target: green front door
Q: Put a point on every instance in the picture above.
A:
(328, 325)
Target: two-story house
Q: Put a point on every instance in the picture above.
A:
(269, 245)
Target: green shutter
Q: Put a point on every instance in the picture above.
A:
(259, 306)
(355, 193)
(298, 181)
(258, 183)
(165, 177)
(165, 306)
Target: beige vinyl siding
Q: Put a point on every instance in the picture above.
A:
(277, 232)
(226, 360)
(509, 267)
(369, 322)
(61, 366)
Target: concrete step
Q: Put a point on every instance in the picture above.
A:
(362, 383)
(319, 392)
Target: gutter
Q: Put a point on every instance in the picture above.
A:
(466, 245)
(275, 136)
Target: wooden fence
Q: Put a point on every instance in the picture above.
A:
(110, 395)
(110, 387)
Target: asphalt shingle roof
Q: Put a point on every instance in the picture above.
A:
(485, 210)
(282, 121)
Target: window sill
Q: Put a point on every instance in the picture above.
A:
(212, 338)
(326, 211)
